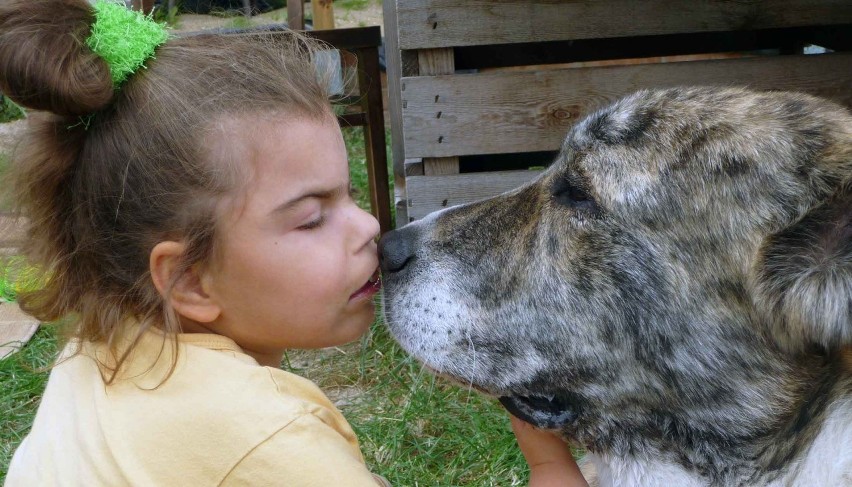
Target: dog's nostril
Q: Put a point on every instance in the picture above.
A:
(394, 264)
(395, 251)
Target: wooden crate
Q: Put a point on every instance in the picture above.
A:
(482, 91)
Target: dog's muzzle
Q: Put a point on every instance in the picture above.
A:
(542, 412)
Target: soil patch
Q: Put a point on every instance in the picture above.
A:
(10, 134)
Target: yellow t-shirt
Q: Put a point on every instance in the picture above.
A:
(220, 419)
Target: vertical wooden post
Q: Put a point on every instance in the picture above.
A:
(393, 60)
(434, 62)
(296, 14)
(247, 8)
(146, 6)
(323, 14)
(370, 84)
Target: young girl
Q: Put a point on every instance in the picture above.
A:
(194, 220)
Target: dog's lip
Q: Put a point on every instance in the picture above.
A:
(535, 401)
(530, 399)
(549, 412)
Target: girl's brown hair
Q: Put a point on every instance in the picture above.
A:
(101, 191)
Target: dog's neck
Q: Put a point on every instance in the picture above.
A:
(797, 426)
(739, 442)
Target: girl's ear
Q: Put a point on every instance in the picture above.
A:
(188, 296)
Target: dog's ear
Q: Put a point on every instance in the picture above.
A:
(803, 277)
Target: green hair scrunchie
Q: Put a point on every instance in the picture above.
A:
(124, 38)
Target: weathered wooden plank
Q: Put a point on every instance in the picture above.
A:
(444, 23)
(434, 166)
(296, 14)
(344, 39)
(432, 62)
(431, 193)
(323, 12)
(436, 61)
(393, 61)
(504, 112)
(834, 37)
(413, 167)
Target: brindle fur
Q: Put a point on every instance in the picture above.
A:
(679, 281)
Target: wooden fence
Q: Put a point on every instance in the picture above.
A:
(482, 91)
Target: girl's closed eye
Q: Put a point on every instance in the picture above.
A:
(315, 223)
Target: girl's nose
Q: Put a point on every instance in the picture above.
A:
(368, 224)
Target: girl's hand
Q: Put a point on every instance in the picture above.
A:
(549, 458)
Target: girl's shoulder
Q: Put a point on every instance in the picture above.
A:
(188, 379)
(206, 421)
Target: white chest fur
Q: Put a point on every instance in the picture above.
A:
(636, 472)
(827, 463)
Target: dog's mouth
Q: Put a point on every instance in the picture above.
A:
(548, 412)
(540, 411)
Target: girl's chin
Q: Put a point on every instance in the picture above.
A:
(360, 324)
(349, 329)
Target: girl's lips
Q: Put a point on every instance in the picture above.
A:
(370, 288)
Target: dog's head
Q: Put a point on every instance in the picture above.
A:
(680, 238)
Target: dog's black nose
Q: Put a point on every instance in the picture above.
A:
(396, 248)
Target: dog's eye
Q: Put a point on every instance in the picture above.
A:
(572, 195)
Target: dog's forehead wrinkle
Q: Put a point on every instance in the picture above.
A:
(632, 177)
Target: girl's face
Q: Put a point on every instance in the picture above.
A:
(297, 266)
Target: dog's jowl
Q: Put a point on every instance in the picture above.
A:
(674, 293)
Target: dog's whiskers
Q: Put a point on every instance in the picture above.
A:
(472, 349)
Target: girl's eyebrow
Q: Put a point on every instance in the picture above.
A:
(322, 194)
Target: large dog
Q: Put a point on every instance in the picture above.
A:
(674, 293)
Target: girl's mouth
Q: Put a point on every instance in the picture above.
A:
(370, 288)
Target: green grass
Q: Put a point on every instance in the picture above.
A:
(415, 429)
(240, 22)
(21, 385)
(352, 4)
(162, 14)
(16, 276)
(9, 111)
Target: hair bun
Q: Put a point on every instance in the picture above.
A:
(44, 61)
